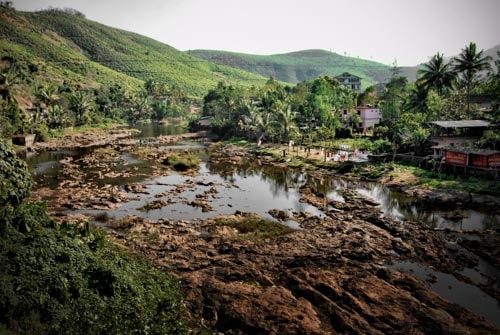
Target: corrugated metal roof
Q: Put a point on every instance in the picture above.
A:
(476, 151)
(462, 123)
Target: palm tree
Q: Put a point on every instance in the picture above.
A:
(437, 75)
(10, 78)
(57, 117)
(417, 100)
(48, 95)
(469, 63)
(139, 107)
(285, 119)
(251, 122)
(80, 103)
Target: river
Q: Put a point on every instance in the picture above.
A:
(250, 187)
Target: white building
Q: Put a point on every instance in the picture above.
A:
(370, 116)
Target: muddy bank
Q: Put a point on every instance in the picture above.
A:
(452, 199)
(405, 182)
(441, 198)
(87, 138)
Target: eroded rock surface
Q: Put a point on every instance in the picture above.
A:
(330, 277)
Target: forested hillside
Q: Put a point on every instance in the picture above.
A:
(65, 46)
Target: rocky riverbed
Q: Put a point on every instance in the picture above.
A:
(329, 277)
(334, 274)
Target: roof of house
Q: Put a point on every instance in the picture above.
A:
(462, 123)
(347, 74)
(476, 151)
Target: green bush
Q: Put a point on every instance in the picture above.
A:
(15, 179)
(255, 228)
(381, 146)
(41, 132)
(182, 163)
(69, 280)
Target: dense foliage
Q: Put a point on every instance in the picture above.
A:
(60, 70)
(55, 107)
(311, 111)
(320, 111)
(65, 279)
(15, 180)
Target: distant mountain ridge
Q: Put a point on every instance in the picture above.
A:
(298, 66)
(303, 65)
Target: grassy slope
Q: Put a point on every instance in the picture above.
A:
(72, 48)
(299, 66)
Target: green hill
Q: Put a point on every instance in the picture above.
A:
(66, 46)
(299, 66)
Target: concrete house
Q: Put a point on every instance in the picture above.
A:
(350, 80)
(370, 116)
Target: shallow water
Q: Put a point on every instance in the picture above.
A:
(246, 192)
(155, 129)
(400, 207)
(454, 290)
(254, 188)
(265, 188)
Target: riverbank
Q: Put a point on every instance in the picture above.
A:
(337, 272)
(435, 191)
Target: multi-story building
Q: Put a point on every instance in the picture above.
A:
(369, 115)
(350, 80)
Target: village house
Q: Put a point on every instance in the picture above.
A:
(350, 80)
(369, 115)
(462, 133)
(6, 4)
(453, 144)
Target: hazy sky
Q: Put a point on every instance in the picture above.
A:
(409, 31)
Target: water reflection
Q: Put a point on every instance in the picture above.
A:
(271, 183)
(454, 290)
(399, 206)
(155, 129)
(239, 189)
(280, 179)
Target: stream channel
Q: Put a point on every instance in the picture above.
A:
(253, 188)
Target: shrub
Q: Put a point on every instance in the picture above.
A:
(69, 280)
(15, 179)
(182, 163)
(381, 146)
(254, 227)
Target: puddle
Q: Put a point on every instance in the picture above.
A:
(188, 145)
(455, 291)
